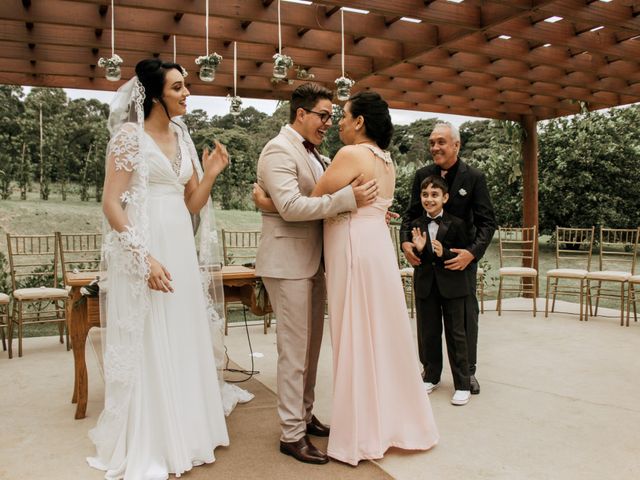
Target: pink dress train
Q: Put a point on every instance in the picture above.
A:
(379, 399)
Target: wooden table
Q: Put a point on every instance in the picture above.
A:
(239, 286)
(83, 314)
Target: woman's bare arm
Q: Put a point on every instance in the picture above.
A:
(196, 192)
(343, 170)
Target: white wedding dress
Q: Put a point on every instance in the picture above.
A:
(175, 417)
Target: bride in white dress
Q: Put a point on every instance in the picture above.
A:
(161, 297)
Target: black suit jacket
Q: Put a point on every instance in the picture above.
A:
(468, 199)
(431, 272)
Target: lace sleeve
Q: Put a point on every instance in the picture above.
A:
(124, 148)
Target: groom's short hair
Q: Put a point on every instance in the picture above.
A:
(306, 96)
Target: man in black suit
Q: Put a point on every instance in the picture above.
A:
(440, 292)
(469, 200)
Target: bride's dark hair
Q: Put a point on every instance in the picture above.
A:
(375, 111)
(152, 73)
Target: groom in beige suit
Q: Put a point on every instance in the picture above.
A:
(289, 259)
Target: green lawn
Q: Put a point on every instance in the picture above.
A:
(34, 216)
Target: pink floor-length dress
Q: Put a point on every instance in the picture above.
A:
(379, 399)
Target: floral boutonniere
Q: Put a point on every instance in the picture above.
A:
(462, 192)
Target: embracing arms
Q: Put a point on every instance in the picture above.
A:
(278, 175)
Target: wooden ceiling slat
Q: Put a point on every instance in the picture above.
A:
(469, 78)
(448, 88)
(516, 49)
(612, 14)
(501, 67)
(18, 47)
(292, 15)
(438, 13)
(561, 33)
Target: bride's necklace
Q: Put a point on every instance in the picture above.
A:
(176, 163)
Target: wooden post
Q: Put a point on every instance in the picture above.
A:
(530, 178)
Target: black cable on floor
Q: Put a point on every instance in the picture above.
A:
(249, 373)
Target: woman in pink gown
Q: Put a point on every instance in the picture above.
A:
(379, 400)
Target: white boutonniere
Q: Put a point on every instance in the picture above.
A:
(462, 192)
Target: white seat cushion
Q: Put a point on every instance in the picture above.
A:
(634, 279)
(40, 293)
(567, 273)
(4, 298)
(518, 272)
(480, 271)
(406, 272)
(609, 275)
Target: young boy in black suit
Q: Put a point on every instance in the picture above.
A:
(440, 292)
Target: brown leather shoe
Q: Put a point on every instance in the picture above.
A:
(315, 427)
(304, 451)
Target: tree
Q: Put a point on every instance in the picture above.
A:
(52, 104)
(235, 183)
(85, 124)
(495, 147)
(412, 142)
(24, 173)
(196, 120)
(404, 184)
(98, 163)
(589, 170)
(84, 179)
(11, 108)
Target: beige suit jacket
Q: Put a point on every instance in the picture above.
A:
(291, 242)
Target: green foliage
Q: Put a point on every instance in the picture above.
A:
(494, 147)
(24, 173)
(404, 182)
(84, 178)
(11, 108)
(5, 279)
(5, 184)
(42, 275)
(233, 187)
(589, 170)
(410, 143)
(69, 128)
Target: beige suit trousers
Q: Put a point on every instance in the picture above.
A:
(299, 309)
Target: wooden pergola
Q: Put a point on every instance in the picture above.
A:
(521, 60)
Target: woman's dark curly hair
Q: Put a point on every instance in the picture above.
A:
(375, 111)
(152, 73)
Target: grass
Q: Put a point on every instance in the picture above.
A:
(37, 217)
(34, 216)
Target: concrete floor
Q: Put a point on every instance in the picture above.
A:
(559, 400)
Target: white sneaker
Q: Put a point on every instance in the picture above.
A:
(430, 387)
(461, 397)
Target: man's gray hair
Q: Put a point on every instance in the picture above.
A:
(455, 133)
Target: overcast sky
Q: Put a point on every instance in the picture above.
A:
(220, 106)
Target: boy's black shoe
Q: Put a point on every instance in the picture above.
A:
(475, 386)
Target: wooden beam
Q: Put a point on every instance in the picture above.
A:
(530, 175)
(294, 16)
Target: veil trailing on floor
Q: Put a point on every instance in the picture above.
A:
(124, 294)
